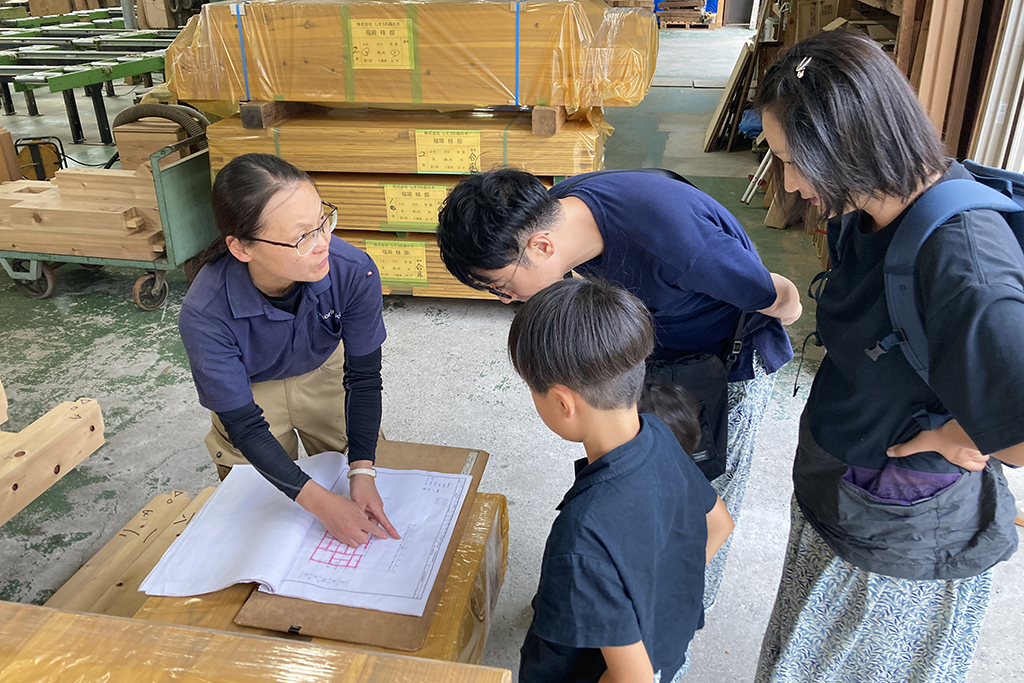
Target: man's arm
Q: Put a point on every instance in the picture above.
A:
(787, 306)
(720, 525)
(627, 664)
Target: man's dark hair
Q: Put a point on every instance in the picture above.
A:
(676, 407)
(588, 335)
(854, 127)
(487, 219)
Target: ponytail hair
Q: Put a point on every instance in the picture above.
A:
(241, 193)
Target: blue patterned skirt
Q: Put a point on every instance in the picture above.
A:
(834, 623)
(747, 403)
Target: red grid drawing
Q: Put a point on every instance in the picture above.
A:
(334, 553)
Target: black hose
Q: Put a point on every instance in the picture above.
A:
(192, 121)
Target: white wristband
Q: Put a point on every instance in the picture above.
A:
(362, 470)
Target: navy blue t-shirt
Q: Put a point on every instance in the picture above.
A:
(624, 562)
(970, 290)
(234, 337)
(689, 260)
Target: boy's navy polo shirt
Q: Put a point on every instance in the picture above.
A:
(234, 337)
(689, 260)
(624, 562)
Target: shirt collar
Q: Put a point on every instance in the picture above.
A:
(246, 301)
(615, 463)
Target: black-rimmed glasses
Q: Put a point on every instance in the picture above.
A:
(307, 241)
(501, 292)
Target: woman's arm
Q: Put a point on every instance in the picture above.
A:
(627, 664)
(787, 307)
(720, 525)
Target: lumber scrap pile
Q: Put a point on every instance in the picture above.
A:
(101, 213)
(578, 53)
(681, 14)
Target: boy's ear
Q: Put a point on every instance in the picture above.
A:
(568, 400)
(237, 249)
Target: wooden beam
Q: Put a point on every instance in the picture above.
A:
(33, 459)
(97, 575)
(961, 80)
(909, 27)
(547, 120)
(123, 598)
(266, 114)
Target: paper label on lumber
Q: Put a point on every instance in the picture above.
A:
(380, 43)
(399, 263)
(415, 204)
(447, 151)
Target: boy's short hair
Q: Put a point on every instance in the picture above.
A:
(588, 335)
(676, 407)
(487, 219)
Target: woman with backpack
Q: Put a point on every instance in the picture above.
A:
(900, 507)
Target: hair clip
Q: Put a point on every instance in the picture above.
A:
(802, 66)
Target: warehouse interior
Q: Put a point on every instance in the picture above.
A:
(447, 381)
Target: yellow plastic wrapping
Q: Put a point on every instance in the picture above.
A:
(360, 141)
(462, 617)
(40, 645)
(468, 53)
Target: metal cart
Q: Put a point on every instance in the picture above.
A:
(186, 215)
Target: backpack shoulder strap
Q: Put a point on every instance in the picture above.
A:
(932, 209)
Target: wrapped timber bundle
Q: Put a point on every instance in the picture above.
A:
(354, 141)
(85, 212)
(395, 203)
(464, 53)
(410, 264)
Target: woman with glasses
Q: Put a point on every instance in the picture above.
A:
(898, 516)
(283, 328)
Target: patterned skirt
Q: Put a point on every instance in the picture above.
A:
(833, 622)
(747, 403)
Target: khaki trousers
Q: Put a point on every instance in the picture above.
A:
(310, 407)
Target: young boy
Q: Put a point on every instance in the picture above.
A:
(623, 569)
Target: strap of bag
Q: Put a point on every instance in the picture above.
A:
(932, 209)
(736, 343)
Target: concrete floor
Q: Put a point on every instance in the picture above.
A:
(91, 340)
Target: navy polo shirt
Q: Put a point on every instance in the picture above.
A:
(234, 337)
(691, 263)
(624, 562)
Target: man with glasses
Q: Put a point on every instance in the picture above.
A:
(674, 247)
(283, 327)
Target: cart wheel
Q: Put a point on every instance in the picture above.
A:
(91, 266)
(35, 289)
(146, 296)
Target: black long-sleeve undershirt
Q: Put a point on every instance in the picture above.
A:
(250, 433)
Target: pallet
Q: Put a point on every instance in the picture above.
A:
(668, 23)
(680, 5)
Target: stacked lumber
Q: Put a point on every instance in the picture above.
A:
(137, 140)
(353, 141)
(642, 4)
(577, 53)
(410, 264)
(100, 213)
(393, 203)
(681, 14)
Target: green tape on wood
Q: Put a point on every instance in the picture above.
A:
(346, 35)
(415, 76)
